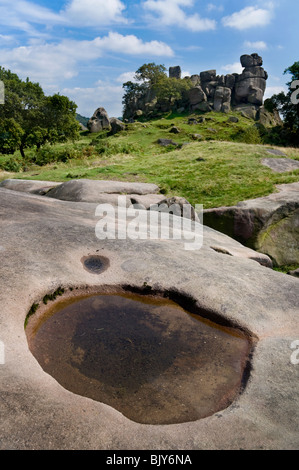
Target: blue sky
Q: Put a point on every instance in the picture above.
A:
(86, 49)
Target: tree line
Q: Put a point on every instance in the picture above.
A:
(29, 118)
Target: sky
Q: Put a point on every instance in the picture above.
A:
(87, 49)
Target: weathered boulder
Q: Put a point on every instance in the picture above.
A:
(29, 186)
(269, 119)
(281, 165)
(251, 60)
(269, 224)
(116, 126)
(251, 84)
(166, 142)
(90, 190)
(99, 121)
(195, 79)
(179, 206)
(196, 95)
(233, 119)
(174, 130)
(294, 273)
(175, 72)
(208, 76)
(222, 99)
(247, 110)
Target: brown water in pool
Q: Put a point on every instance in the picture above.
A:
(146, 357)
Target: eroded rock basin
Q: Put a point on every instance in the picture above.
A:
(145, 356)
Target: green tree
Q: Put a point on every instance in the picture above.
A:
(171, 89)
(150, 73)
(29, 118)
(152, 83)
(283, 103)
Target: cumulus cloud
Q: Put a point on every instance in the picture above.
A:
(236, 67)
(212, 7)
(104, 94)
(48, 62)
(257, 45)
(249, 17)
(126, 77)
(274, 90)
(23, 14)
(170, 12)
(94, 12)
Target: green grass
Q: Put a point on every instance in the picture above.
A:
(218, 170)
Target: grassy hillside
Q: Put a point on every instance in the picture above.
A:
(217, 162)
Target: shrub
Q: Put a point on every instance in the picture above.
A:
(113, 148)
(13, 165)
(251, 135)
(48, 154)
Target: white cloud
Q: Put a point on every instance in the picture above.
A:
(170, 13)
(5, 39)
(249, 17)
(94, 12)
(126, 77)
(48, 62)
(186, 73)
(236, 67)
(212, 7)
(257, 45)
(274, 90)
(106, 95)
(132, 45)
(23, 14)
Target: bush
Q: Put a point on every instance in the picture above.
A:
(113, 148)
(12, 164)
(251, 135)
(48, 154)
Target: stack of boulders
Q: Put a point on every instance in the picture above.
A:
(241, 92)
(100, 121)
(221, 92)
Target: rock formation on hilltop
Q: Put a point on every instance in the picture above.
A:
(243, 92)
(99, 121)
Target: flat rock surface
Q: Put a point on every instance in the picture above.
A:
(281, 165)
(276, 152)
(29, 186)
(89, 190)
(43, 241)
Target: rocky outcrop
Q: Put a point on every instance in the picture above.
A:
(269, 225)
(99, 121)
(116, 126)
(242, 92)
(175, 72)
(251, 84)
